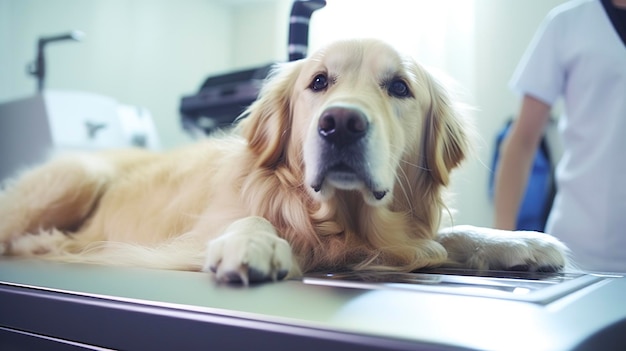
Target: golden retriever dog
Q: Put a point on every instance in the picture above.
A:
(341, 164)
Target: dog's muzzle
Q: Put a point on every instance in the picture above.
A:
(343, 132)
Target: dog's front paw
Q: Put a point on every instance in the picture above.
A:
(249, 251)
(491, 249)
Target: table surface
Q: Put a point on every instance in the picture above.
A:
(551, 312)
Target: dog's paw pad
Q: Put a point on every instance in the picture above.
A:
(250, 277)
(255, 275)
(490, 249)
(538, 252)
(281, 274)
(248, 256)
(235, 277)
(550, 269)
(519, 268)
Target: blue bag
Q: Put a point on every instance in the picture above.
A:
(540, 190)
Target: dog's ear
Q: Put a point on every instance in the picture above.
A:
(446, 140)
(266, 123)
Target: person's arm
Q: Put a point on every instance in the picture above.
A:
(516, 156)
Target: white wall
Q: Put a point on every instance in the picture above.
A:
(141, 52)
(151, 52)
(260, 32)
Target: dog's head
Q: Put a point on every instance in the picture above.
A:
(357, 116)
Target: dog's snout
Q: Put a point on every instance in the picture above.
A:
(341, 125)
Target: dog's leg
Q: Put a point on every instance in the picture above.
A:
(39, 205)
(250, 250)
(485, 248)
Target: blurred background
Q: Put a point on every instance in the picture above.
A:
(151, 53)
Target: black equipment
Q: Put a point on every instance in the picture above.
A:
(38, 67)
(223, 98)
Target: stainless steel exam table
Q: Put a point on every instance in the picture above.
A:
(54, 306)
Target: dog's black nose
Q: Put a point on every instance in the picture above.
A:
(342, 125)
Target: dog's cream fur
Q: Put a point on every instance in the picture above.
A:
(264, 197)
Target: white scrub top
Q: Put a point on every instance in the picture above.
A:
(578, 55)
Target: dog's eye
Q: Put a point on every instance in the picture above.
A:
(398, 88)
(319, 83)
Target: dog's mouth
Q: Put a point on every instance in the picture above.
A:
(347, 177)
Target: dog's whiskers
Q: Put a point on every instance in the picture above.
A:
(403, 188)
(415, 166)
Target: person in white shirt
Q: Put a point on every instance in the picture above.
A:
(578, 54)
